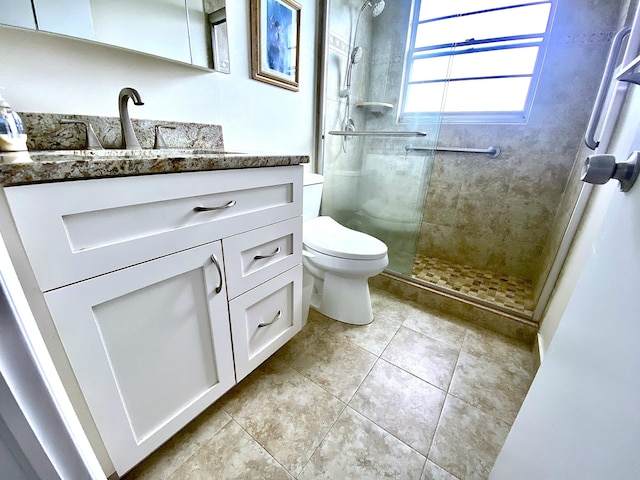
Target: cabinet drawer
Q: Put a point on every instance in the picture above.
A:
(264, 319)
(72, 231)
(254, 257)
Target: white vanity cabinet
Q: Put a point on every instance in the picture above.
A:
(165, 290)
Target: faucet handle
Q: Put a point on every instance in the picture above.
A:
(92, 142)
(160, 142)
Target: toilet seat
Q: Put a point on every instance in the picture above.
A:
(327, 236)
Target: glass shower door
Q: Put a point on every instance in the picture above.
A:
(377, 180)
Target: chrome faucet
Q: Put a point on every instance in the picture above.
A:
(129, 139)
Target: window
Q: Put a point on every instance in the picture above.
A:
(474, 60)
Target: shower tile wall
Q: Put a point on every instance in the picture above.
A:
(497, 214)
(343, 17)
(573, 45)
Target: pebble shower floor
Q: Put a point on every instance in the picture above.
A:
(512, 294)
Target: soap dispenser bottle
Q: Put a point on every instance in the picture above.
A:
(12, 135)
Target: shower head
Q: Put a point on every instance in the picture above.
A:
(356, 55)
(378, 6)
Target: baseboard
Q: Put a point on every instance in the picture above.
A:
(538, 351)
(510, 325)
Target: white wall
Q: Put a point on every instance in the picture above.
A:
(52, 74)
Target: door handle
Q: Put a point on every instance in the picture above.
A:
(599, 169)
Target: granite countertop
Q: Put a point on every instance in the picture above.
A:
(62, 165)
(56, 150)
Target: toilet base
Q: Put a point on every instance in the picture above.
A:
(345, 299)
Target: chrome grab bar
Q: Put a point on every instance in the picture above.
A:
(491, 152)
(589, 137)
(379, 133)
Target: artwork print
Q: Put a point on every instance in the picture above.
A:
(275, 38)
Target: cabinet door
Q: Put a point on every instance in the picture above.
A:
(265, 318)
(150, 346)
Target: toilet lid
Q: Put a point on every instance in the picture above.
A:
(327, 236)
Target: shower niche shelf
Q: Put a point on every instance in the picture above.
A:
(375, 107)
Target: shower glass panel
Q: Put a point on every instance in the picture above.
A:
(372, 183)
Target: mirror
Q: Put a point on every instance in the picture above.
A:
(187, 31)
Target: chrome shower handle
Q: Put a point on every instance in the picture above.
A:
(210, 209)
(273, 254)
(276, 318)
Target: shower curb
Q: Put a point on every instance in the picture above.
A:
(511, 325)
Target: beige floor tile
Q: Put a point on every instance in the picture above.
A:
(507, 351)
(357, 449)
(490, 386)
(322, 357)
(231, 454)
(434, 472)
(402, 404)
(285, 412)
(388, 306)
(319, 321)
(467, 440)
(436, 325)
(289, 418)
(373, 337)
(423, 356)
(170, 456)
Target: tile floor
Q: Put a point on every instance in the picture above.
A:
(512, 294)
(415, 395)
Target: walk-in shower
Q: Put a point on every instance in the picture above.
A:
(472, 208)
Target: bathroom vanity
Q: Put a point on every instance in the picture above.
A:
(156, 293)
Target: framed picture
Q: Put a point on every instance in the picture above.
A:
(275, 36)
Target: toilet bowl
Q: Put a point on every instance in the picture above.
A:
(376, 213)
(340, 260)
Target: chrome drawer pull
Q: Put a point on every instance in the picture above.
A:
(262, 257)
(210, 209)
(260, 325)
(215, 262)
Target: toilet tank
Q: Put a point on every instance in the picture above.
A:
(311, 195)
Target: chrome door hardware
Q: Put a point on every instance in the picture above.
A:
(599, 169)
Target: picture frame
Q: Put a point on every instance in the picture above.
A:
(275, 40)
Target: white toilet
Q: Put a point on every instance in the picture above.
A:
(341, 261)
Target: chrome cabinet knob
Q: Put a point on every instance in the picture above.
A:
(599, 169)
